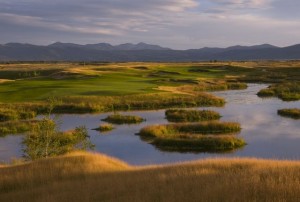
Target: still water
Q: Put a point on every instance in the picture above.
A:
(267, 134)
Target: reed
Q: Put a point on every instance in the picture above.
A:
(287, 91)
(292, 113)
(123, 119)
(181, 115)
(16, 127)
(105, 127)
(207, 136)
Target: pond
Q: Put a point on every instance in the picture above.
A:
(267, 134)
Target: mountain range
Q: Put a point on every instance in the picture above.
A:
(141, 52)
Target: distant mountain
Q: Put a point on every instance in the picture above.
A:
(107, 46)
(141, 52)
(263, 46)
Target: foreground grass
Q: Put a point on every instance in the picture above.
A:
(89, 177)
(292, 113)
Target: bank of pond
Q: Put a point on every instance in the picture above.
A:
(288, 91)
(192, 130)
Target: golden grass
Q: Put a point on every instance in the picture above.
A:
(6, 80)
(90, 177)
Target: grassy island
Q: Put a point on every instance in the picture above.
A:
(105, 127)
(123, 119)
(181, 115)
(292, 113)
(207, 136)
(285, 91)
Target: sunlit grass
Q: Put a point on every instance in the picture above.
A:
(90, 177)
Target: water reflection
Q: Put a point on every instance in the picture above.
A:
(267, 134)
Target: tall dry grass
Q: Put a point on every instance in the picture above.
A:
(89, 177)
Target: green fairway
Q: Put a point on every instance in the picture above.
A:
(36, 82)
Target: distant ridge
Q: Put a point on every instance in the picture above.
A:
(141, 52)
(109, 47)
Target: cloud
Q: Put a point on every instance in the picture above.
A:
(42, 23)
(252, 4)
(174, 23)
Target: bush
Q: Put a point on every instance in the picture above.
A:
(45, 140)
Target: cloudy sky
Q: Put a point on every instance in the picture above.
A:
(178, 24)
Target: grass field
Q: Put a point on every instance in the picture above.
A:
(36, 82)
(89, 177)
(99, 87)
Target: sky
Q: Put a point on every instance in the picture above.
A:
(177, 24)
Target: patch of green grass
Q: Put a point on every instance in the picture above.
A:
(38, 81)
(181, 115)
(292, 113)
(123, 119)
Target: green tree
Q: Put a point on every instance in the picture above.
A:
(46, 140)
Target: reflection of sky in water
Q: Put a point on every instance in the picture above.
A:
(10, 147)
(267, 134)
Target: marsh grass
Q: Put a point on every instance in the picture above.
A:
(136, 102)
(287, 91)
(202, 136)
(123, 119)
(292, 113)
(9, 113)
(91, 177)
(16, 127)
(222, 143)
(181, 115)
(105, 127)
(213, 85)
(202, 128)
